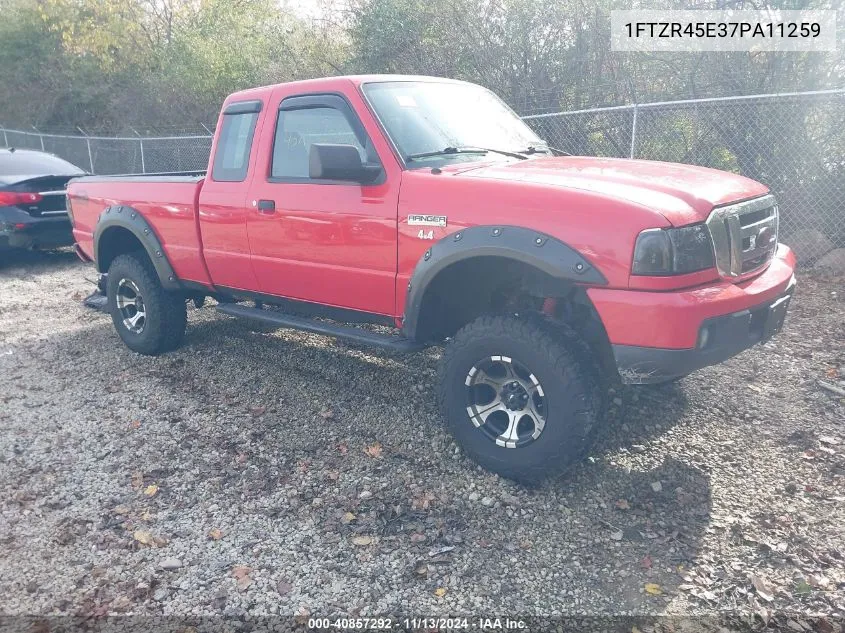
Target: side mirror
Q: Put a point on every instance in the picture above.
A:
(340, 162)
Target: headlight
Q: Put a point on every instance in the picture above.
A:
(673, 251)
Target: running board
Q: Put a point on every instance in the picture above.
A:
(358, 335)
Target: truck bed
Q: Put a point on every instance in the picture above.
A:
(167, 201)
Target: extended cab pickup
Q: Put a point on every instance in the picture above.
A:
(428, 205)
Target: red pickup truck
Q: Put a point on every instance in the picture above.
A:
(427, 205)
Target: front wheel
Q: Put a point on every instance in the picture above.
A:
(520, 396)
(149, 319)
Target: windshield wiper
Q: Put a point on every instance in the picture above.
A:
(542, 149)
(450, 151)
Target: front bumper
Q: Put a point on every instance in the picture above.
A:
(21, 230)
(720, 339)
(658, 336)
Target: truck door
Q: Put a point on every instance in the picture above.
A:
(222, 202)
(325, 241)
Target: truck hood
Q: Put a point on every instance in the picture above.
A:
(683, 194)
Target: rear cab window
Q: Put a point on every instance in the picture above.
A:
(231, 158)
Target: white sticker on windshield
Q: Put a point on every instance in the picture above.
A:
(406, 101)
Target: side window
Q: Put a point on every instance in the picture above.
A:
(231, 160)
(297, 130)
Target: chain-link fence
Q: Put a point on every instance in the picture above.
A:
(794, 143)
(108, 155)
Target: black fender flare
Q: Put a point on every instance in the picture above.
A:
(132, 220)
(528, 246)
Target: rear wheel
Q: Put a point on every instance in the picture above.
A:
(520, 396)
(149, 319)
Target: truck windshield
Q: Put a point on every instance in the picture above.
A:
(433, 123)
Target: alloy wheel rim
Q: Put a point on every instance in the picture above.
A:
(505, 402)
(130, 303)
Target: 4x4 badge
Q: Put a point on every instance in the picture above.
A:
(427, 220)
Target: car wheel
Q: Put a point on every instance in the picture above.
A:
(520, 396)
(149, 319)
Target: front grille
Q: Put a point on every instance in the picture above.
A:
(745, 235)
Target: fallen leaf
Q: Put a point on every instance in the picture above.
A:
(348, 517)
(374, 450)
(143, 537)
(244, 582)
(151, 490)
(257, 411)
(646, 562)
(422, 502)
(416, 537)
(653, 589)
(440, 592)
(622, 504)
(343, 448)
(148, 538)
(215, 534)
(326, 414)
(241, 574)
(135, 424)
(137, 479)
(765, 590)
(832, 372)
(362, 541)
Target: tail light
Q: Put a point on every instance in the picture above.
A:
(11, 198)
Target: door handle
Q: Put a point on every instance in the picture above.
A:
(265, 206)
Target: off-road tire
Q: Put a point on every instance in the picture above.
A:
(569, 377)
(166, 312)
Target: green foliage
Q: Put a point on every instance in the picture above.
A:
(115, 65)
(112, 65)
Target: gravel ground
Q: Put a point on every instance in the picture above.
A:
(278, 472)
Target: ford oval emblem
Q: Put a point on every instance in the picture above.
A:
(766, 237)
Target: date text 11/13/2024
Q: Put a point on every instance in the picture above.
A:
(418, 623)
